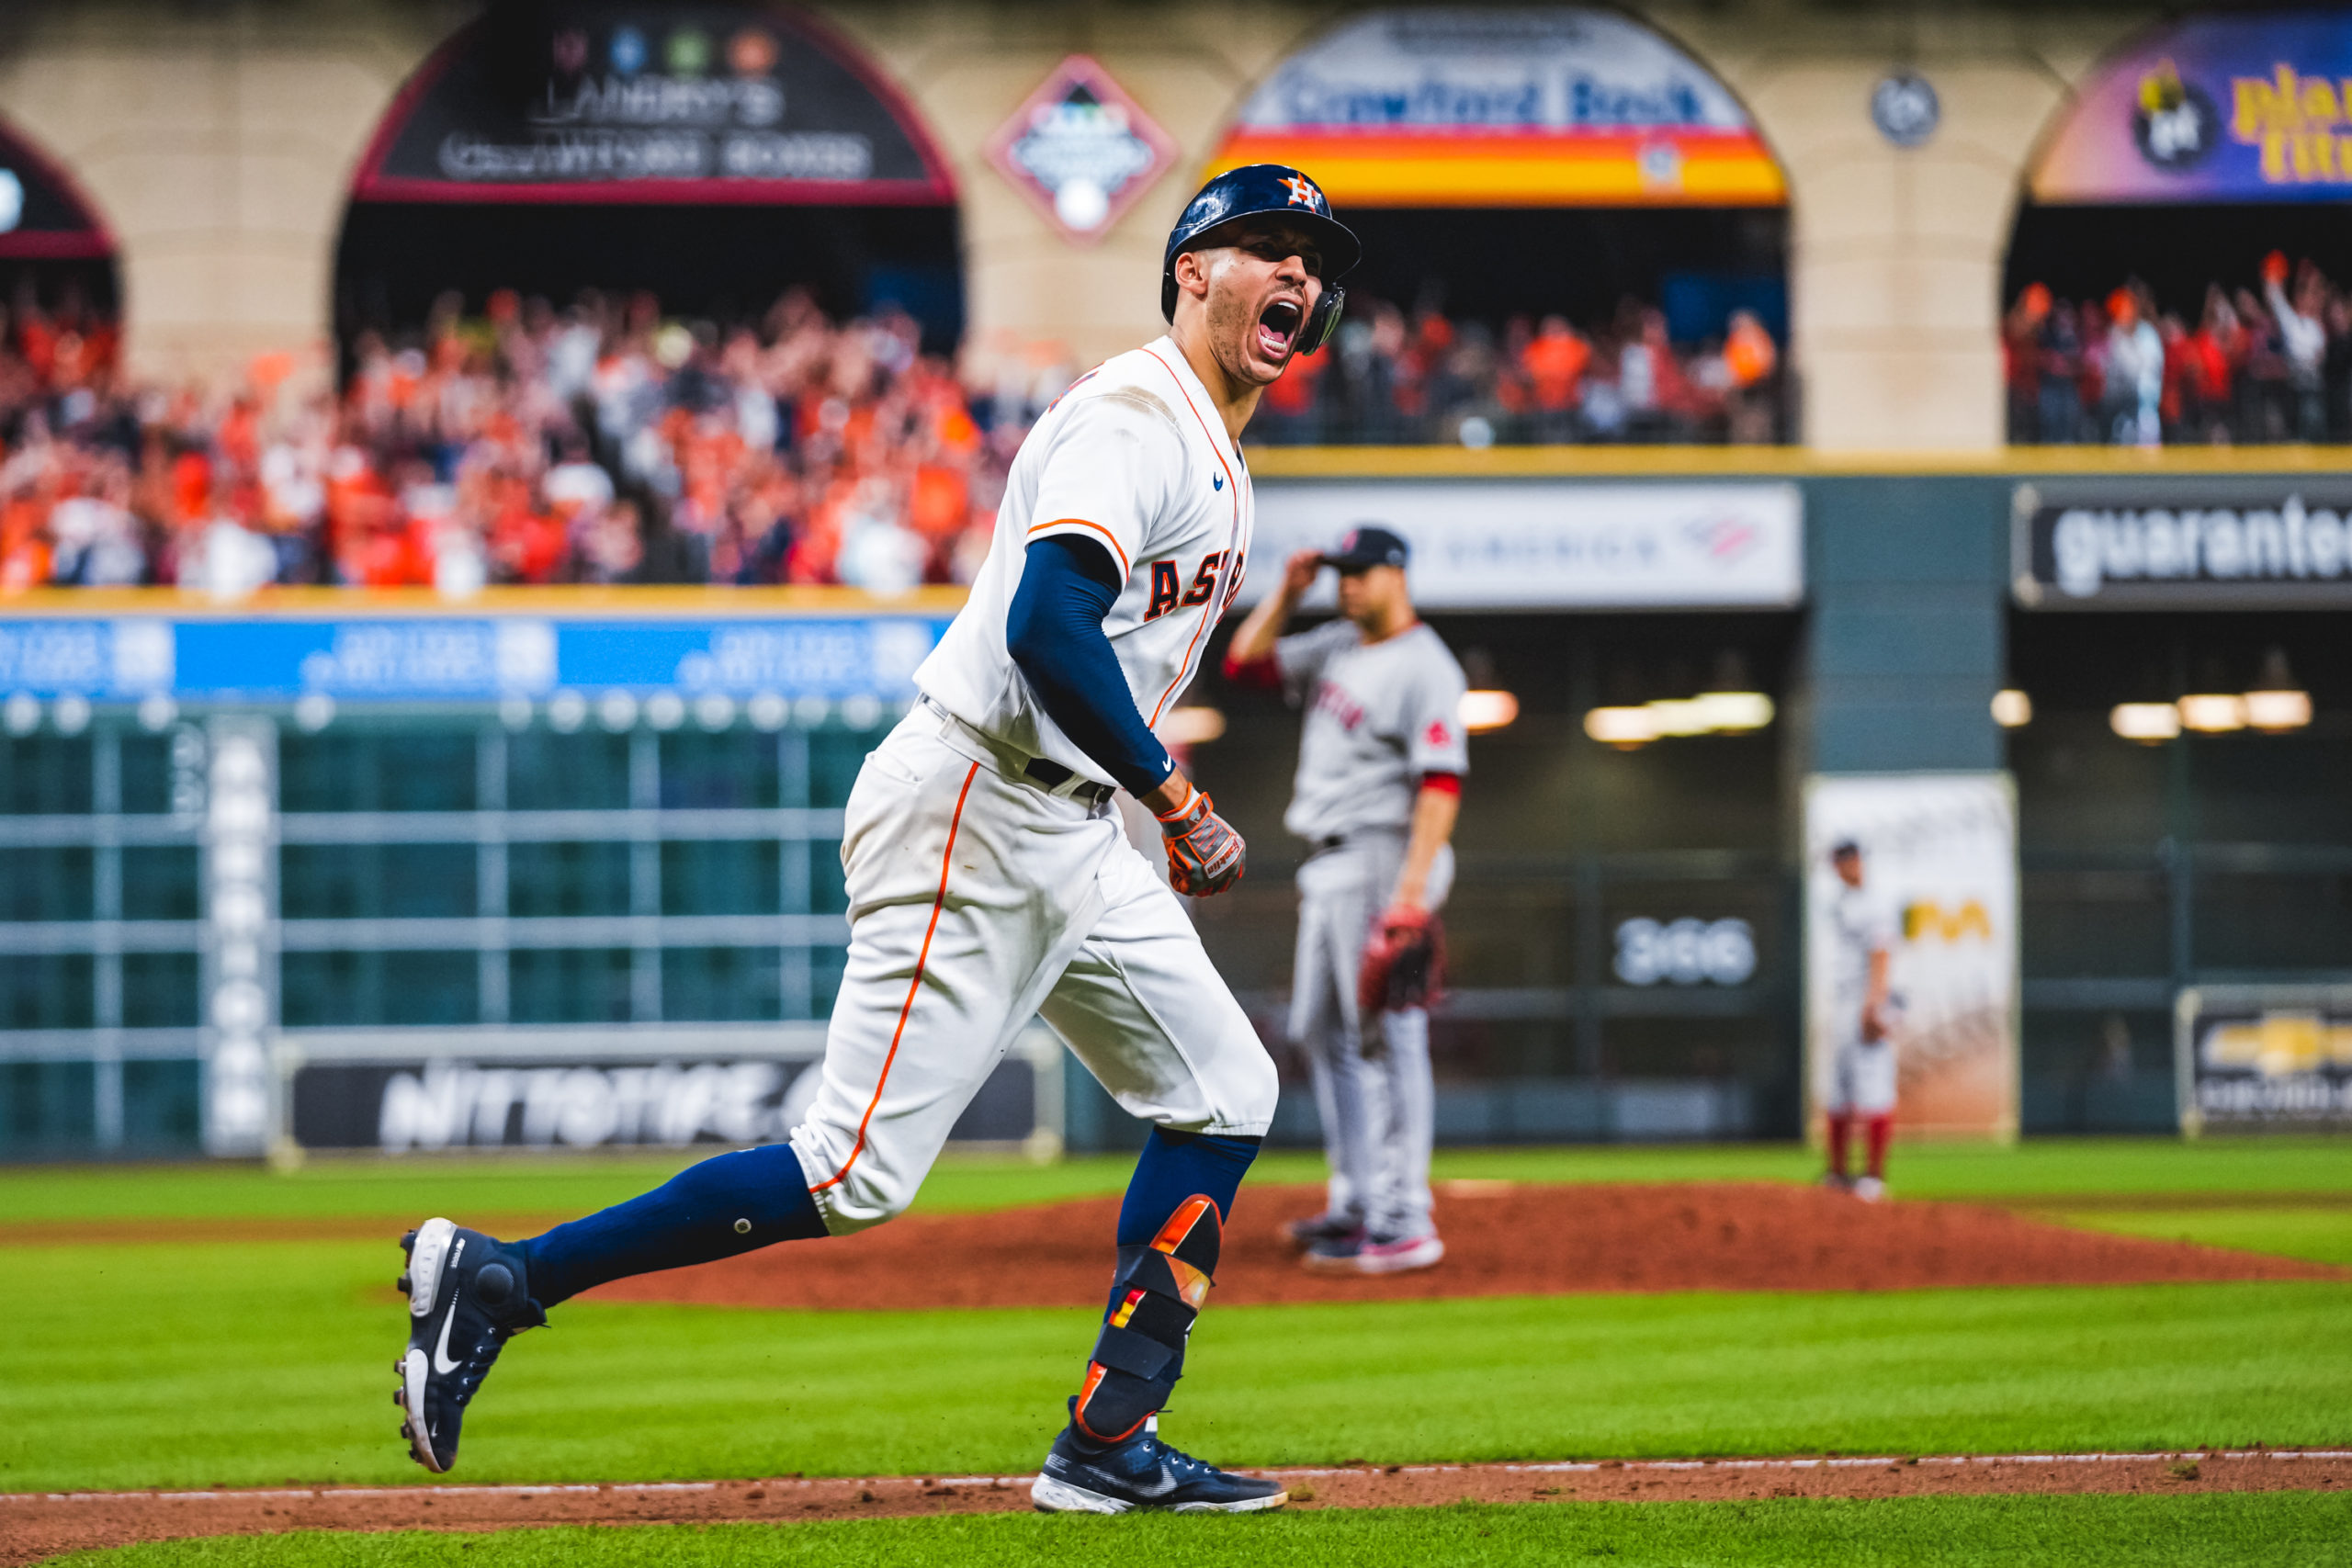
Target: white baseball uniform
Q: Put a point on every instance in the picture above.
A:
(1862, 1071)
(1379, 718)
(977, 896)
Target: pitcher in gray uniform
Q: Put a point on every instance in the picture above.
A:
(1380, 767)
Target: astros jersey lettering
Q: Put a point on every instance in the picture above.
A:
(1134, 457)
(1378, 717)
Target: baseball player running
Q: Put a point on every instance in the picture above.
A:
(1380, 765)
(988, 881)
(1863, 1072)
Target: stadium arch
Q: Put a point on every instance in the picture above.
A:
(711, 155)
(59, 278)
(2195, 160)
(1476, 148)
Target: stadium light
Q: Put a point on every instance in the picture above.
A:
(1484, 710)
(1623, 728)
(1710, 713)
(2277, 703)
(2212, 713)
(1679, 716)
(2012, 709)
(1192, 726)
(2146, 722)
(2278, 710)
(1735, 711)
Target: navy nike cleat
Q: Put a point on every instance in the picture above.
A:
(467, 1296)
(1323, 1228)
(1336, 1253)
(1082, 1477)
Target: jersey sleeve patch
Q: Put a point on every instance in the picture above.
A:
(1436, 742)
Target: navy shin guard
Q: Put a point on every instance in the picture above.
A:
(1158, 1291)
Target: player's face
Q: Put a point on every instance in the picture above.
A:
(1260, 287)
(1849, 869)
(1366, 597)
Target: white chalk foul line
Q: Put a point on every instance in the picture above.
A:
(622, 1488)
(1842, 1462)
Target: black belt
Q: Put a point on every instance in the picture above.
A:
(1334, 840)
(1051, 776)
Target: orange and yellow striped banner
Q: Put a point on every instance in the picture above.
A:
(1673, 168)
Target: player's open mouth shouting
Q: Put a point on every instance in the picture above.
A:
(1278, 328)
(1273, 272)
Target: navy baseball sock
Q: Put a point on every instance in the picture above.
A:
(1175, 1166)
(733, 1203)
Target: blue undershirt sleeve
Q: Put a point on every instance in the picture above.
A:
(1054, 635)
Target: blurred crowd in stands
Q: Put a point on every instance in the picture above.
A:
(607, 443)
(1391, 380)
(600, 443)
(2249, 365)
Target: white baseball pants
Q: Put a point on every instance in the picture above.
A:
(1378, 1109)
(977, 900)
(1863, 1078)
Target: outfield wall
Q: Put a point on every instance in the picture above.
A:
(593, 831)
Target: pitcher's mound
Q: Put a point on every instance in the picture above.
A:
(1500, 1240)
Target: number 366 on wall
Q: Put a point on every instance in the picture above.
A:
(1685, 952)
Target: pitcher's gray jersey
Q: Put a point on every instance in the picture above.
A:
(1378, 717)
(1860, 924)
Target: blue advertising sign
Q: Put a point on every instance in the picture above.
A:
(2254, 107)
(457, 659)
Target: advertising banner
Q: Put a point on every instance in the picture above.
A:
(1933, 884)
(2264, 1058)
(2248, 107)
(2187, 544)
(1484, 545)
(587, 1088)
(463, 659)
(1552, 106)
(639, 103)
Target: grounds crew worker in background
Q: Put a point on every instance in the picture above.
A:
(1380, 766)
(1862, 1075)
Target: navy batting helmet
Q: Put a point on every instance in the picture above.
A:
(1271, 190)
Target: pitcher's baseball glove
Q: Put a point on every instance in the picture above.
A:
(1403, 964)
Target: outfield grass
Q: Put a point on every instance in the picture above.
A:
(404, 1188)
(2323, 1235)
(2258, 1530)
(261, 1363)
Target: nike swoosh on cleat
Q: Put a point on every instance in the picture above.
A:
(441, 1362)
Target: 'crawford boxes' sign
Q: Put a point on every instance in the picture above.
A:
(2199, 544)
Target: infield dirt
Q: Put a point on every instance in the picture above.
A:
(1501, 1239)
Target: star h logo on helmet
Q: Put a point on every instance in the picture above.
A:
(1303, 192)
